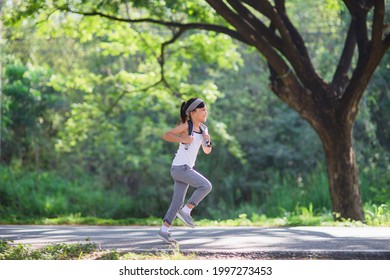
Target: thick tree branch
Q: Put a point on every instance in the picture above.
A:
(292, 92)
(367, 63)
(359, 10)
(361, 30)
(265, 8)
(281, 21)
(386, 42)
(377, 23)
(297, 38)
(251, 35)
(256, 24)
(293, 45)
(340, 78)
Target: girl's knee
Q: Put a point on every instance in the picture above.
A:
(209, 187)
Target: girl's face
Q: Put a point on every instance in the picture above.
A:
(200, 114)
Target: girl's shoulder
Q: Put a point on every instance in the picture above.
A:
(181, 128)
(183, 125)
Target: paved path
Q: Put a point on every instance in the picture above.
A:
(240, 242)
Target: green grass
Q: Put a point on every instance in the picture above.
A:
(376, 215)
(81, 251)
(9, 251)
(79, 220)
(174, 254)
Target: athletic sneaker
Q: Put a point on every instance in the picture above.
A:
(166, 236)
(186, 218)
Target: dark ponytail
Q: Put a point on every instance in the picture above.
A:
(183, 116)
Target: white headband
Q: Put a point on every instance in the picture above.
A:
(193, 106)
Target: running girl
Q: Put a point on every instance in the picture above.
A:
(193, 114)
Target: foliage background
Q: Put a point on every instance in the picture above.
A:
(84, 106)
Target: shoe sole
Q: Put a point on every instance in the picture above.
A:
(184, 221)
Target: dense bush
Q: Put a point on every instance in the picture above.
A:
(25, 195)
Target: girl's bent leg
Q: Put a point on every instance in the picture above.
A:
(202, 185)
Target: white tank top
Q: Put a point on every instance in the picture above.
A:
(188, 156)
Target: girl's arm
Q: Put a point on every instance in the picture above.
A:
(178, 134)
(207, 138)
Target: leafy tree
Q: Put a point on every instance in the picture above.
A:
(119, 102)
(329, 104)
(330, 107)
(27, 109)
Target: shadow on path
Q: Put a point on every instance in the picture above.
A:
(240, 242)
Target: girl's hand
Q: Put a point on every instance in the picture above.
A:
(206, 137)
(206, 146)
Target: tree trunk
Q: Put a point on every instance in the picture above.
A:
(342, 171)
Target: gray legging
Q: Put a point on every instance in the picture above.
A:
(184, 176)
